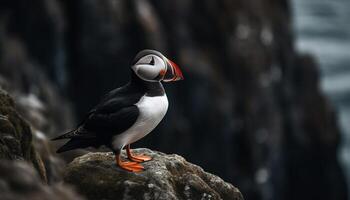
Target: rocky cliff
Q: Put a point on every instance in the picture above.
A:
(249, 99)
(25, 169)
(16, 137)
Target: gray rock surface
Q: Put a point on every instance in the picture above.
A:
(96, 176)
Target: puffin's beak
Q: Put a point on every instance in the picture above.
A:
(173, 72)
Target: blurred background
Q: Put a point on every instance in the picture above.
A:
(322, 28)
(264, 103)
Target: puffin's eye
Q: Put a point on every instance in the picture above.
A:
(152, 61)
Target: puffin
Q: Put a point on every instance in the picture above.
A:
(128, 113)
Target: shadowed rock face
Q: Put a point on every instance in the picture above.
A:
(23, 174)
(19, 181)
(16, 136)
(165, 177)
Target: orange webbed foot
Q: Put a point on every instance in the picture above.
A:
(127, 163)
(129, 166)
(136, 158)
(140, 158)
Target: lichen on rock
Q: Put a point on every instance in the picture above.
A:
(96, 176)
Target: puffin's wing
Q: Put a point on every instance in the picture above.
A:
(99, 126)
(114, 114)
(112, 123)
(104, 124)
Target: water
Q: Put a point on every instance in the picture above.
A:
(323, 29)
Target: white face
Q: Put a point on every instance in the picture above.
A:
(150, 67)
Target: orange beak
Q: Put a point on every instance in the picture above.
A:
(173, 72)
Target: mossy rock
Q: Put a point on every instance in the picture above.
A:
(96, 176)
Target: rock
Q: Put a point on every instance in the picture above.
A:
(52, 162)
(23, 174)
(16, 136)
(96, 176)
(19, 181)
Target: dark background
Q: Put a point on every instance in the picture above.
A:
(249, 110)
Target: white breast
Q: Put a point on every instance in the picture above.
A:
(152, 110)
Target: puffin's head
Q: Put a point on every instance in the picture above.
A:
(151, 65)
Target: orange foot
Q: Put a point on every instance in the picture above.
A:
(129, 166)
(139, 158)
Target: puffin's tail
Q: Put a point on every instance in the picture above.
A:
(70, 145)
(75, 144)
(79, 138)
(67, 135)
